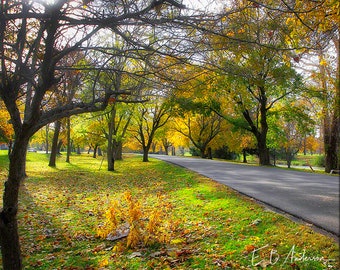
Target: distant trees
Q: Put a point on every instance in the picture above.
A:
(201, 130)
(291, 124)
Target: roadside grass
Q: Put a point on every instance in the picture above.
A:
(209, 226)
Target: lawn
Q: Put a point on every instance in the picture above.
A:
(177, 219)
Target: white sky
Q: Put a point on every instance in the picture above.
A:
(202, 4)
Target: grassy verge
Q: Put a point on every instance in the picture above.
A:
(204, 225)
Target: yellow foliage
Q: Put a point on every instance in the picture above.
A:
(145, 227)
(104, 263)
(323, 62)
(6, 129)
(230, 33)
(134, 236)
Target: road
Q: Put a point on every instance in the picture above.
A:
(311, 197)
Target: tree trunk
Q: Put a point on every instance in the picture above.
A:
(118, 150)
(9, 237)
(209, 155)
(146, 154)
(166, 145)
(10, 145)
(110, 154)
(69, 145)
(202, 150)
(331, 120)
(333, 141)
(289, 158)
(264, 154)
(46, 138)
(153, 146)
(244, 152)
(60, 144)
(54, 150)
(173, 151)
(264, 157)
(331, 157)
(95, 151)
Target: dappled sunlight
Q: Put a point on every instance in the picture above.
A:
(206, 223)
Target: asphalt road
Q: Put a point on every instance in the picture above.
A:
(313, 198)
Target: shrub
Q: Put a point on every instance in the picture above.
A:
(141, 226)
(319, 161)
(224, 153)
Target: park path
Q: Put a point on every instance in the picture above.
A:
(313, 198)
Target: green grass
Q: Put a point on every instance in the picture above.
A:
(210, 226)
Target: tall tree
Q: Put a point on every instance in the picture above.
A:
(114, 127)
(253, 75)
(316, 30)
(55, 141)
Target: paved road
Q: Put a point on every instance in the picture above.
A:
(313, 198)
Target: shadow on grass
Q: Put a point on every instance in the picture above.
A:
(46, 240)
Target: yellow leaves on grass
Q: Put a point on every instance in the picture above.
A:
(141, 226)
(104, 263)
(249, 248)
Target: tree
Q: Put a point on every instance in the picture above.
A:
(291, 124)
(55, 142)
(314, 28)
(34, 38)
(253, 75)
(68, 139)
(201, 130)
(328, 78)
(115, 125)
(148, 119)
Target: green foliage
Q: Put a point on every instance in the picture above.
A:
(185, 105)
(194, 151)
(225, 153)
(319, 161)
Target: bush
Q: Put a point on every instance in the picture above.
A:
(141, 226)
(194, 151)
(319, 161)
(225, 153)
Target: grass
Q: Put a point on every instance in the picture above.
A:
(209, 226)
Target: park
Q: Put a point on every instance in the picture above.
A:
(90, 88)
(196, 222)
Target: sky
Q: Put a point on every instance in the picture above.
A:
(201, 4)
